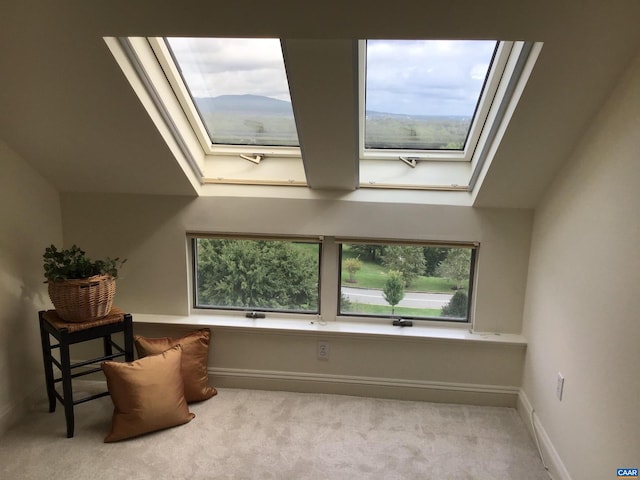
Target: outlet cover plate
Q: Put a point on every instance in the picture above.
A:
(323, 350)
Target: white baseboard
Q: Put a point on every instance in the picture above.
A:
(365, 386)
(554, 463)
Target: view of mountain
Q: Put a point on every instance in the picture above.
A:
(258, 104)
(254, 104)
(255, 119)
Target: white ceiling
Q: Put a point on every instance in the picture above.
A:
(67, 109)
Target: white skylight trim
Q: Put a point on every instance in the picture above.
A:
(329, 164)
(174, 77)
(450, 169)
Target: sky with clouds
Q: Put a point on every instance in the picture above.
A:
(437, 77)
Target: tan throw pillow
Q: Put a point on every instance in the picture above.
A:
(195, 358)
(147, 395)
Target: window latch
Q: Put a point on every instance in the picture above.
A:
(255, 315)
(411, 161)
(401, 322)
(256, 158)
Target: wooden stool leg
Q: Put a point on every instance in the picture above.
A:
(67, 390)
(48, 365)
(128, 337)
(107, 346)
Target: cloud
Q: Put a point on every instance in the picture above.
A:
(426, 77)
(225, 66)
(415, 77)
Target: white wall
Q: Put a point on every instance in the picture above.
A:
(31, 220)
(151, 232)
(582, 303)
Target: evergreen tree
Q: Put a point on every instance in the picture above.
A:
(256, 274)
(433, 256)
(457, 306)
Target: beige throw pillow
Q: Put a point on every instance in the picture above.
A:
(195, 358)
(147, 395)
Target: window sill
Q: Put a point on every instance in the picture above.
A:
(334, 328)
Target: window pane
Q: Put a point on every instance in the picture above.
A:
(239, 87)
(423, 94)
(269, 275)
(406, 281)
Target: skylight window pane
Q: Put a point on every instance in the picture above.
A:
(423, 94)
(240, 89)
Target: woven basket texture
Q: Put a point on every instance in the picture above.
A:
(83, 300)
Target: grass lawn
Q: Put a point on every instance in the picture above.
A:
(373, 275)
(386, 310)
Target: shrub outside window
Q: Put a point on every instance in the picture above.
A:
(257, 274)
(410, 281)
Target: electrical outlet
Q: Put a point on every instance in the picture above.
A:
(323, 350)
(559, 386)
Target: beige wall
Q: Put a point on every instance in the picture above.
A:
(30, 218)
(151, 232)
(581, 314)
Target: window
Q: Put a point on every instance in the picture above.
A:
(407, 280)
(423, 95)
(430, 113)
(256, 274)
(436, 106)
(238, 86)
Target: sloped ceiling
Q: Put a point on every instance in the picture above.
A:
(67, 109)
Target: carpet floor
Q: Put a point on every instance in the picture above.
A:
(251, 434)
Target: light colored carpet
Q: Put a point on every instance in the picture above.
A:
(249, 434)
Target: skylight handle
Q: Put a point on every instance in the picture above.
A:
(256, 158)
(411, 161)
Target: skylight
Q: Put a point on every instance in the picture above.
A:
(239, 89)
(431, 110)
(423, 94)
(390, 114)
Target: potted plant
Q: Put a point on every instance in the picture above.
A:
(80, 289)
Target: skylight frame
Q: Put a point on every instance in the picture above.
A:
(214, 164)
(183, 95)
(488, 94)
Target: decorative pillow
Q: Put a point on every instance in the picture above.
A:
(195, 357)
(147, 394)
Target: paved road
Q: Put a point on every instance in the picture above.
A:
(414, 300)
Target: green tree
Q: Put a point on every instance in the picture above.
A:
(352, 265)
(406, 259)
(457, 306)
(367, 252)
(456, 266)
(433, 256)
(393, 290)
(256, 274)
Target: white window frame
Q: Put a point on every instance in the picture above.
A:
(473, 274)
(329, 285)
(234, 310)
(165, 59)
(487, 98)
(148, 64)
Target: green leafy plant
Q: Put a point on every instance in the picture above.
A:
(73, 263)
(352, 265)
(393, 291)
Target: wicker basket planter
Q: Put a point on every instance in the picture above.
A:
(80, 300)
